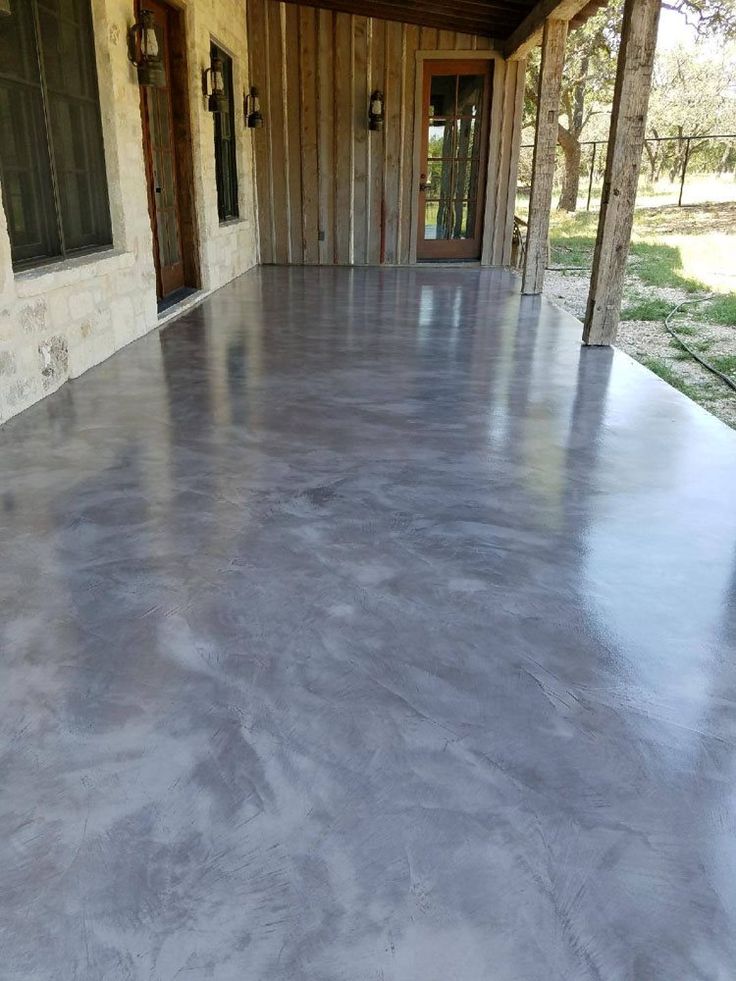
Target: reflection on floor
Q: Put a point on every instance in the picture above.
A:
(363, 625)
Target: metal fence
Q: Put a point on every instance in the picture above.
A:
(676, 170)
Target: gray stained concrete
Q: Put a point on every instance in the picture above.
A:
(361, 626)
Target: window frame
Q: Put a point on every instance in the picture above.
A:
(49, 201)
(226, 147)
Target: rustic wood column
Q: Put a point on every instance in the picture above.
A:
(545, 145)
(625, 145)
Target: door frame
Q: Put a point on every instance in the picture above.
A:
(183, 159)
(495, 95)
(451, 67)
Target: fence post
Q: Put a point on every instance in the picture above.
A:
(592, 172)
(684, 171)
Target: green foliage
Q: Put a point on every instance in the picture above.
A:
(665, 372)
(572, 250)
(661, 265)
(644, 309)
(722, 309)
(725, 363)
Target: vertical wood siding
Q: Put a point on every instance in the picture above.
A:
(329, 191)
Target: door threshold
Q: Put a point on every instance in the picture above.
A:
(448, 262)
(179, 302)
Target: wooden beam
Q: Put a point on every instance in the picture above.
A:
(545, 146)
(529, 32)
(625, 145)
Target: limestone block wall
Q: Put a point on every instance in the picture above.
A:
(58, 320)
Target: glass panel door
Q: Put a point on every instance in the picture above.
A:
(452, 181)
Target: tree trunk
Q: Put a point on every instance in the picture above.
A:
(571, 175)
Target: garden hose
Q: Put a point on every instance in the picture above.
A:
(694, 354)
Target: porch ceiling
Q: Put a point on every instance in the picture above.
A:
(490, 18)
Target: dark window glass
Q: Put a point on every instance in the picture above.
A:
(52, 165)
(226, 167)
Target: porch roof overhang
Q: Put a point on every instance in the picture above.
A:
(515, 24)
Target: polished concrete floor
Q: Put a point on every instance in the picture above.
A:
(361, 626)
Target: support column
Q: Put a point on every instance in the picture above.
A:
(545, 152)
(625, 146)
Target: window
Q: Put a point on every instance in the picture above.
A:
(226, 167)
(52, 165)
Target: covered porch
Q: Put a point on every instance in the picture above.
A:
(352, 632)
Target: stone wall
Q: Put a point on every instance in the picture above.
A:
(58, 320)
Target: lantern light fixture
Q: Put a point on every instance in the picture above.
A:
(213, 85)
(375, 111)
(144, 51)
(252, 104)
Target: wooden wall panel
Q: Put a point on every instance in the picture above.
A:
(326, 130)
(343, 130)
(275, 135)
(408, 91)
(329, 191)
(392, 140)
(309, 113)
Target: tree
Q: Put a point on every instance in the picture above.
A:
(693, 95)
(590, 70)
(587, 86)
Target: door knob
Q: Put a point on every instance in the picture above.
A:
(424, 184)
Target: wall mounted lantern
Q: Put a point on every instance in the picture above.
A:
(144, 51)
(252, 103)
(213, 85)
(375, 112)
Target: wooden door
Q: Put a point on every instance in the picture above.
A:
(456, 106)
(160, 152)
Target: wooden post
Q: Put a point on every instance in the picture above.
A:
(625, 146)
(545, 152)
(592, 174)
(684, 173)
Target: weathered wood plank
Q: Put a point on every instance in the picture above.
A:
(464, 42)
(294, 132)
(406, 157)
(343, 145)
(517, 127)
(272, 74)
(393, 136)
(625, 145)
(545, 154)
(359, 135)
(529, 33)
(257, 36)
(490, 220)
(326, 131)
(376, 80)
(309, 148)
(502, 179)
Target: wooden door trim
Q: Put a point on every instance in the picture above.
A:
(173, 24)
(447, 55)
